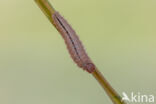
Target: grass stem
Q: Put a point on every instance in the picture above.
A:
(116, 99)
(47, 9)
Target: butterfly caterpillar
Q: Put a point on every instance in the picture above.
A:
(74, 45)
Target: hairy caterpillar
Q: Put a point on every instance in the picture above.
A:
(74, 45)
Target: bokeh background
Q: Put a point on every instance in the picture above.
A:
(35, 67)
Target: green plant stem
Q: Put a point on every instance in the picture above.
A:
(47, 9)
(116, 99)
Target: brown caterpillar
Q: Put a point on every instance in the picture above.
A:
(74, 45)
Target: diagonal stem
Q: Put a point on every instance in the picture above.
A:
(47, 8)
(116, 99)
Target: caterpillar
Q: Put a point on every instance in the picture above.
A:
(73, 43)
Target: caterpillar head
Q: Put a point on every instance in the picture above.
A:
(89, 67)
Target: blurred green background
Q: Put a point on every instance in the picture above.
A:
(35, 67)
